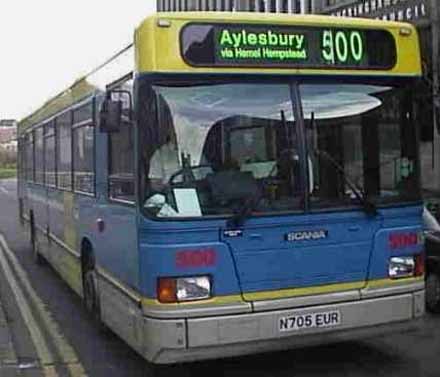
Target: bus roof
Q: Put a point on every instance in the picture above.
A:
(158, 49)
(269, 17)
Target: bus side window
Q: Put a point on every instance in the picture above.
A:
(121, 151)
(39, 155)
(84, 149)
(64, 151)
(49, 154)
(29, 157)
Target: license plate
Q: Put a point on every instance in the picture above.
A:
(310, 320)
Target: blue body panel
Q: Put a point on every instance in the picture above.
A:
(260, 259)
(266, 261)
(160, 242)
(117, 246)
(397, 220)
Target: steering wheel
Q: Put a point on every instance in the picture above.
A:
(187, 172)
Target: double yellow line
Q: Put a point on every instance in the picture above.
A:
(26, 297)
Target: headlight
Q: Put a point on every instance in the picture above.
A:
(197, 288)
(172, 290)
(401, 267)
(408, 266)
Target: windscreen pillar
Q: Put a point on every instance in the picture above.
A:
(330, 141)
(371, 148)
(407, 136)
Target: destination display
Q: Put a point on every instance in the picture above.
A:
(235, 45)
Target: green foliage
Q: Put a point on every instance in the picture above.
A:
(8, 160)
(7, 173)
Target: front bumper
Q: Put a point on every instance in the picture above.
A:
(185, 340)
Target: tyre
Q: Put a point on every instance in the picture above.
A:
(91, 299)
(35, 247)
(433, 292)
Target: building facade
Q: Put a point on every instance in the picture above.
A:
(282, 6)
(8, 135)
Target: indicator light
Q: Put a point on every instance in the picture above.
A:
(419, 269)
(166, 290)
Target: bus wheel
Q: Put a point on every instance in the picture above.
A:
(433, 292)
(91, 300)
(35, 247)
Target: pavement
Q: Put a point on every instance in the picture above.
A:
(8, 358)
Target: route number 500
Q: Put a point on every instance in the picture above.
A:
(342, 46)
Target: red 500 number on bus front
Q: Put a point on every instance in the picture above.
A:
(308, 321)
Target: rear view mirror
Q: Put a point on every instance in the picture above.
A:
(110, 116)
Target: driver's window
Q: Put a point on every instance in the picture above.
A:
(164, 162)
(210, 148)
(121, 149)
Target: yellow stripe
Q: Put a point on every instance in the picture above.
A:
(332, 288)
(307, 291)
(385, 283)
(288, 293)
(215, 301)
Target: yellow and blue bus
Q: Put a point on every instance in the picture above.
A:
(235, 183)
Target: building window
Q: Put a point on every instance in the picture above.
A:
(64, 151)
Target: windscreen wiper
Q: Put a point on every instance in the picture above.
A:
(369, 207)
(237, 220)
(249, 204)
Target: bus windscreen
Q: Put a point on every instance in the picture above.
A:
(245, 45)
